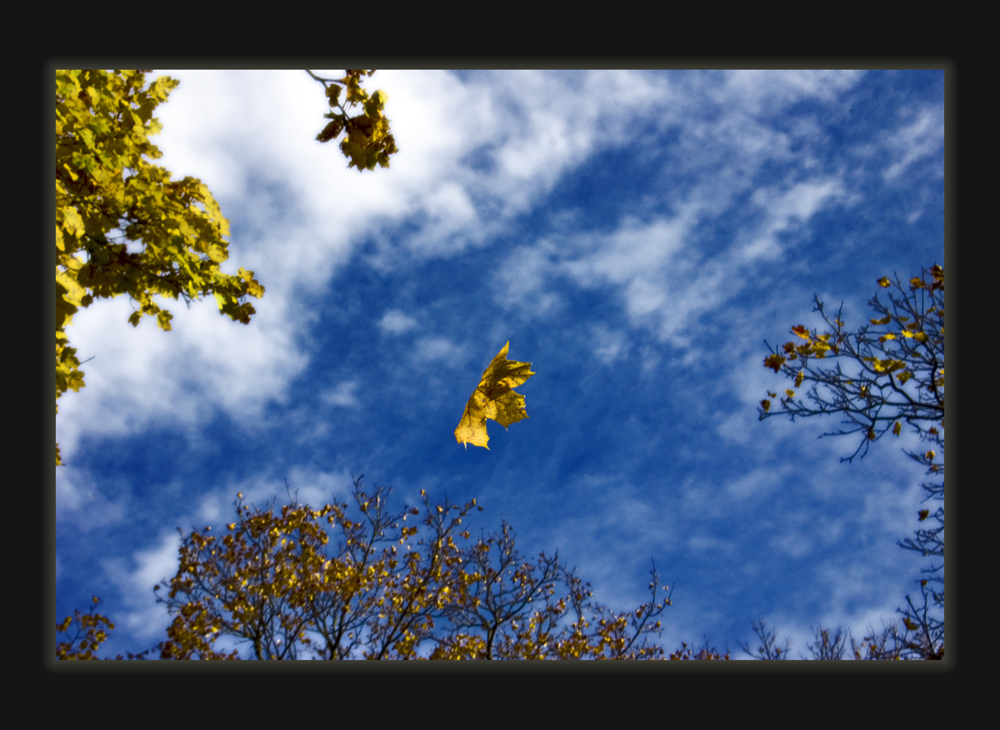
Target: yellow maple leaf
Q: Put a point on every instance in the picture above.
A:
(494, 398)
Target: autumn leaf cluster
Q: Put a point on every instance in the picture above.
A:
(368, 140)
(896, 375)
(123, 225)
(907, 346)
(91, 630)
(318, 583)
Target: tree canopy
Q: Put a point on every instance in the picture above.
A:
(125, 226)
(895, 375)
(874, 397)
(363, 581)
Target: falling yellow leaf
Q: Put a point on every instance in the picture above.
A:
(494, 398)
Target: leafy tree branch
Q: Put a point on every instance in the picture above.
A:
(364, 582)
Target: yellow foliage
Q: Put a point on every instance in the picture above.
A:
(274, 585)
(911, 350)
(105, 182)
(368, 141)
(494, 399)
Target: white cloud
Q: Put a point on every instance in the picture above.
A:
(342, 395)
(317, 487)
(752, 485)
(157, 562)
(608, 345)
(80, 500)
(922, 137)
(135, 578)
(438, 349)
(143, 376)
(768, 91)
(783, 211)
(396, 322)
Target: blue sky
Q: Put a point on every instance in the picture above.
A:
(635, 235)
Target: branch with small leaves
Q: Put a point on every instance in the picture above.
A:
(105, 183)
(879, 396)
(280, 587)
(897, 377)
(368, 141)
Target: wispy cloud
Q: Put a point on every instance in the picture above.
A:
(396, 322)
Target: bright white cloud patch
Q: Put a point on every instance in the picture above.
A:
(343, 395)
(438, 349)
(396, 322)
